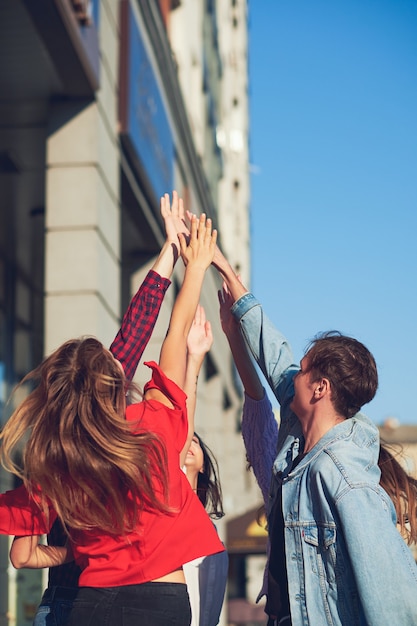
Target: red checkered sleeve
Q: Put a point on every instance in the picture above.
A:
(138, 322)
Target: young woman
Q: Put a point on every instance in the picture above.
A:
(202, 472)
(128, 346)
(116, 483)
(206, 577)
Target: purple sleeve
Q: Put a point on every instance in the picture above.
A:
(260, 436)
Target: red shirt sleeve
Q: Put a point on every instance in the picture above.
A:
(21, 515)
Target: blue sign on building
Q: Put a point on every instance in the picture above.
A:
(143, 114)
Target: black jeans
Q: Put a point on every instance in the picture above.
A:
(284, 621)
(148, 604)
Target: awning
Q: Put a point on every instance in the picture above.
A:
(245, 535)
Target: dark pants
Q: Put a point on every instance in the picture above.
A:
(55, 606)
(148, 604)
(284, 621)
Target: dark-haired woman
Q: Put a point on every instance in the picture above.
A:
(206, 576)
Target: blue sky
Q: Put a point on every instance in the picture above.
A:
(333, 106)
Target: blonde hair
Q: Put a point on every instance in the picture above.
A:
(402, 489)
(81, 456)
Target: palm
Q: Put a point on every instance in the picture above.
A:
(198, 342)
(200, 338)
(173, 216)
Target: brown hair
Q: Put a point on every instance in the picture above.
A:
(402, 489)
(349, 366)
(81, 455)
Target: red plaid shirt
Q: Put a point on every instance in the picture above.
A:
(128, 346)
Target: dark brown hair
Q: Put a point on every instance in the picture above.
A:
(208, 483)
(95, 468)
(348, 365)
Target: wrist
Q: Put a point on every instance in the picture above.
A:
(166, 260)
(196, 357)
(172, 245)
(170, 240)
(195, 267)
(194, 363)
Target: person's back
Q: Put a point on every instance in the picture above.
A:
(161, 540)
(127, 347)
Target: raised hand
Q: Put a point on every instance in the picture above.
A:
(174, 218)
(201, 245)
(197, 253)
(199, 342)
(200, 336)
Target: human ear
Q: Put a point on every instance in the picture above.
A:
(322, 387)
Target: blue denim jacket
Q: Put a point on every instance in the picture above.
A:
(347, 564)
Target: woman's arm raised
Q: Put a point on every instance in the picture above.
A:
(197, 253)
(199, 342)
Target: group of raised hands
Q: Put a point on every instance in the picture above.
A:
(193, 238)
(188, 235)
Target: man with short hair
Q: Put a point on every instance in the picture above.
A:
(336, 557)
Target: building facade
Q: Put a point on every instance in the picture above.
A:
(104, 106)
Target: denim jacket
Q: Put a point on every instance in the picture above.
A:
(347, 564)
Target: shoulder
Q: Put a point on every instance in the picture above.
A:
(160, 383)
(349, 455)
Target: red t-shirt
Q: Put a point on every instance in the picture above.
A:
(162, 543)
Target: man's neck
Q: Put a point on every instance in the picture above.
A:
(317, 425)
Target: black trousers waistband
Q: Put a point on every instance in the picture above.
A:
(59, 593)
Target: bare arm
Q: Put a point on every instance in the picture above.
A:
(198, 254)
(199, 342)
(28, 552)
(140, 318)
(173, 216)
(242, 358)
(234, 285)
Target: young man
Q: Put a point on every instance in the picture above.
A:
(336, 556)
